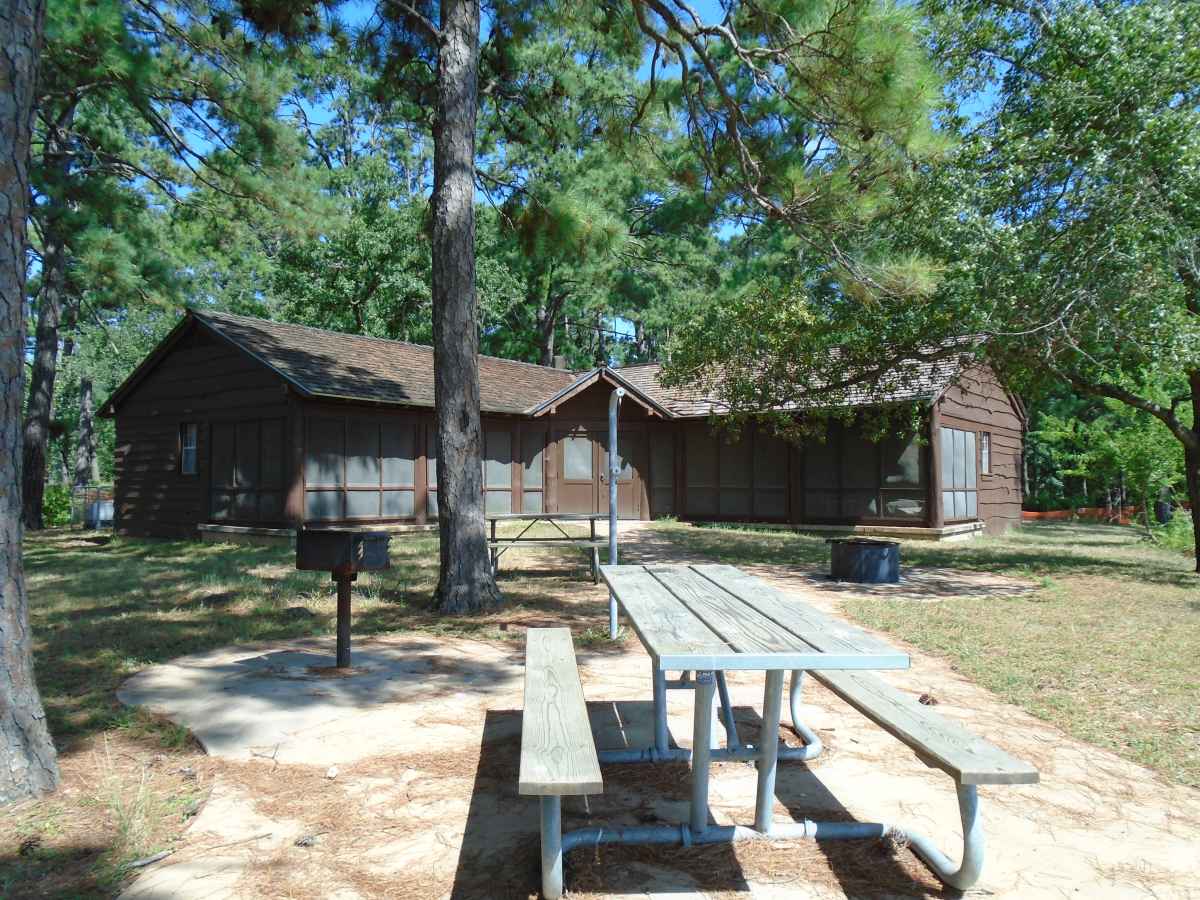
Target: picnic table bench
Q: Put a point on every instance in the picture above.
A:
(712, 619)
(590, 544)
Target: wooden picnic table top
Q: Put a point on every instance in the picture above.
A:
(718, 618)
(532, 517)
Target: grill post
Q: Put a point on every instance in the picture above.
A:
(343, 553)
(344, 579)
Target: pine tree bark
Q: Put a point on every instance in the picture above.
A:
(85, 439)
(465, 581)
(51, 298)
(27, 760)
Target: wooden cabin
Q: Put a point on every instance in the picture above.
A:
(236, 423)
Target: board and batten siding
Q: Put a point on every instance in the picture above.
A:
(979, 403)
(202, 380)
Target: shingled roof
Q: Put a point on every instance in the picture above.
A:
(918, 380)
(331, 364)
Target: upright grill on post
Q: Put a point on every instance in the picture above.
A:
(344, 554)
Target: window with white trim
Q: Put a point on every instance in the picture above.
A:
(188, 433)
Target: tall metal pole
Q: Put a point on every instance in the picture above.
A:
(614, 404)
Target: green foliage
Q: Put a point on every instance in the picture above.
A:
(1102, 445)
(56, 505)
(1177, 534)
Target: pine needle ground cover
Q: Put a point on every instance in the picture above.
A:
(103, 608)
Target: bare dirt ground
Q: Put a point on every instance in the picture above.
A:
(400, 781)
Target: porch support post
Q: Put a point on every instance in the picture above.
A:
(936, 515)
(614, 405)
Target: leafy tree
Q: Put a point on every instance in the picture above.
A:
(28, 764)
(1112, 447)
(1084, 178)
(140, 106)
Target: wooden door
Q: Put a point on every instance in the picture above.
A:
(630, 450)
(578, 472)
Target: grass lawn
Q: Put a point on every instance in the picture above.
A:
(1108, 648)
(103, 608)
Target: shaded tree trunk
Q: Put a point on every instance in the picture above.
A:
(549, 308)
(36, 440)
(465, 581)
(51, 298)
(86, 470)
(27, 760)
(1191, 463)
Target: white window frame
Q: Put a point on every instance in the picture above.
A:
(189, 463)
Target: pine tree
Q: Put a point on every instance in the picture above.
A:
(27, 759)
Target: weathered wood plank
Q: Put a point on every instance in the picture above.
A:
(742, 627)
(670, 632)
(679, 636)
(547, 542)
(808, 624)
(558, 753)
(942, 744)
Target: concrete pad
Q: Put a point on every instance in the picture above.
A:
(426, 739)
(288, 704)
(424, 805)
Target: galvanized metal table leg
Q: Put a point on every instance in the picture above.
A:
(552, 854)
(768, 751)
(967, 872)
(731, 735)
(701, 750)
(812, 742)
(660, 708)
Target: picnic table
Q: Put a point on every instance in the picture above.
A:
(704, 621)
(590, 544)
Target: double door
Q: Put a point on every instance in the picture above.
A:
(583, 484)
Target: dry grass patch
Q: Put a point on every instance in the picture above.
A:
(103, 608)
(123, 797)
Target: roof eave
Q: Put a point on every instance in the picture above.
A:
(594, 376)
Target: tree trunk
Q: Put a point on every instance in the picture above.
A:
(1191, 454)
(41, 382)
(85, 443)
(27, 760)
(1192, 466)
(40, 405)
(641, 345)
(465, 581)
(549, 308)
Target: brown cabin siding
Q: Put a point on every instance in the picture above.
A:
(979, 403)
(200, 380)
(680, 466)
